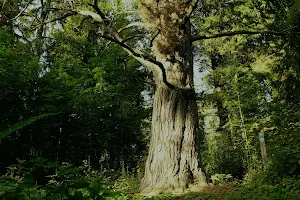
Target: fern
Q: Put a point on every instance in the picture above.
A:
(22, 124)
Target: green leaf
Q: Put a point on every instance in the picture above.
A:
(22, 124)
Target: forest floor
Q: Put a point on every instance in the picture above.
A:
(231, 191)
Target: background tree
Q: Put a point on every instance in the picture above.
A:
(88, 87)
(245, 81)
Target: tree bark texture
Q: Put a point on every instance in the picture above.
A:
(173, 161)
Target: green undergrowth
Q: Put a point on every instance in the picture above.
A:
(265, 192)
(41, 179)
(258, 188)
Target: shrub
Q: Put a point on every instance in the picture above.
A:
(41, 179)
(221, 178)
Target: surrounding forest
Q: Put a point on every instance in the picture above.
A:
(149, 99)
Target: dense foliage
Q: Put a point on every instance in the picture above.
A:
(253, 81)
(88, 98)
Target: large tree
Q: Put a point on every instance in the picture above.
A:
(173, 162)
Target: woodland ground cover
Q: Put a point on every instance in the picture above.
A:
(25, 181)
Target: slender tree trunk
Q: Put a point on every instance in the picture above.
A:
(173, 162)
(216, 59)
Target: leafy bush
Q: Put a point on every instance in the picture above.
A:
(127, 183)
(221, 178)
(41, 179)
(290, 184)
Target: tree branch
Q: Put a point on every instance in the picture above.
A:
(22, 36)
(131, 37)
(22, 11)
(157, 33)
(57, 19)
(69, 13)
(141, 58)
(115, 37)
(146, 81)
(218, 35)
(97, 9)
(138, 24)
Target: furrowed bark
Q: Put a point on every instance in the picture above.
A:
(173, 163)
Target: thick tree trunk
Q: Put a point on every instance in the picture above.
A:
(173, 160)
